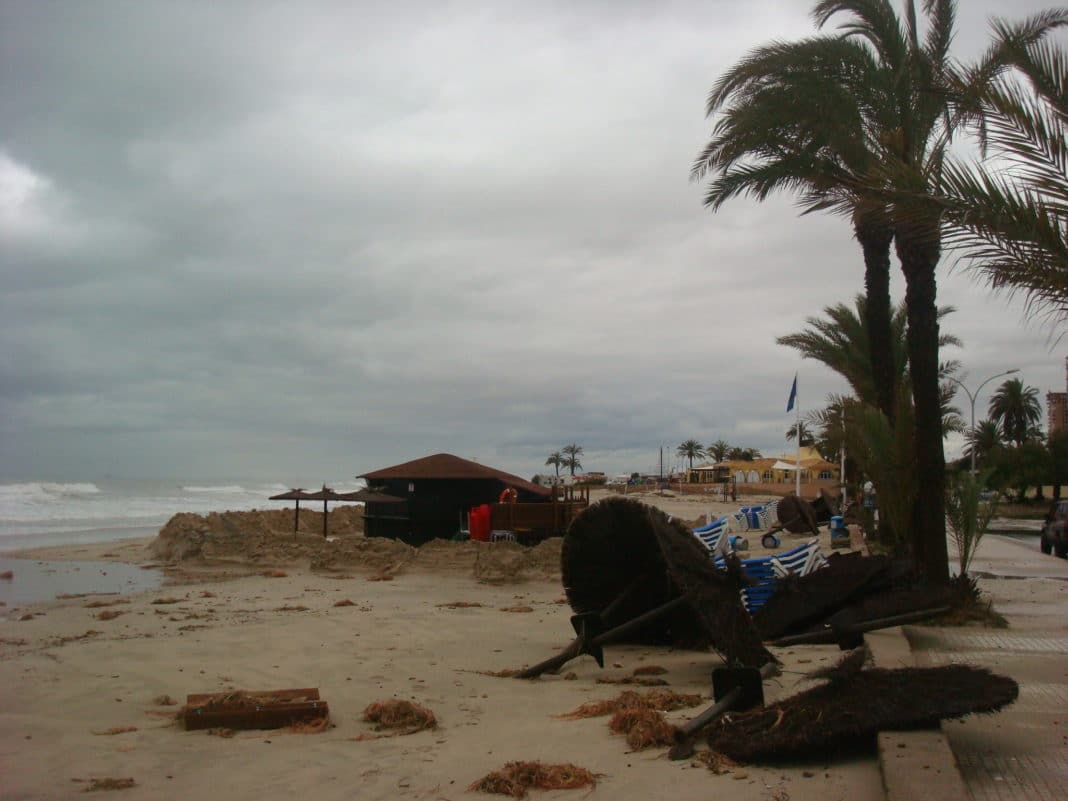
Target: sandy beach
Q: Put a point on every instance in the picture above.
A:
(68, 677)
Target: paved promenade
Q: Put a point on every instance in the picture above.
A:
(1022, 751)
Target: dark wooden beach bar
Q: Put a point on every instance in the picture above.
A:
(439, 491)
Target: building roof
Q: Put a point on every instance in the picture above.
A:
(445, 465)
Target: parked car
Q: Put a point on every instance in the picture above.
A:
(1054, 536)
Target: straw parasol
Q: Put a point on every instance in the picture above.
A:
(621, 548)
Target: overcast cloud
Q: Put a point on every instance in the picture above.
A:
(307, 240)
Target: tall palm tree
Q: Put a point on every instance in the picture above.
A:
(1009, 221)
(571, 454)
(807, 116)
(718, 450)
(1016, 408)
(556, 461)
(691, 449)
(929, 107)
(984, 438)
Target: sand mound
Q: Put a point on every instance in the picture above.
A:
(256, 536)
(267, 538)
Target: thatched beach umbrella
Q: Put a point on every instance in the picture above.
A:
(854, 704)
(326, 495)
(296, 495)
(645, 578)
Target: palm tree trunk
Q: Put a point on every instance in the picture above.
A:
(874, 234)
(919, 252)
(875, 237)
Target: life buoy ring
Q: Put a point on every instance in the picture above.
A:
(509, 495)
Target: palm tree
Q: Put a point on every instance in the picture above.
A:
(838, 340)
(1016, 408)
(718, 450)
(805, 439)
(1010, 222)
(927, 104)
(571, 454)
(691, 449)
(739, 454)
(983, 439)
(556, 461)
(807, 116)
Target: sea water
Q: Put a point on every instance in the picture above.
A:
(36, 513)
(40, 513)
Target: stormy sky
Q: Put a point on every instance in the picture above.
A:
(308, 240)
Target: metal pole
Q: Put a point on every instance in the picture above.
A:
(972, 397)
(842, 471)
(797, 430)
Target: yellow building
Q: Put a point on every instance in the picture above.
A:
(778, 470)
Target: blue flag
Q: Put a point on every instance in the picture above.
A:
(793, 395)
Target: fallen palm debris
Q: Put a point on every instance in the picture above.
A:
(109, 614)
(345, 602)
(644, 727)
(459, 605)
(403, 717)
(649, 670)
(291, 608)
(240, 709)
(854, 704)
(164, 601)
(662, 700)
(640, 681)
(717, 763)
(517, 778)
(313, 726)
(99, 604)
(96, 785)
(74, 637)
(116, 730)
(517, 608)
(274, 574)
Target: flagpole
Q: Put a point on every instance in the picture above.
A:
(797, 472)
(841, 472)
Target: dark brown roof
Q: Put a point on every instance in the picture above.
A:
(445, 465)
(292, 495)
(327, 494)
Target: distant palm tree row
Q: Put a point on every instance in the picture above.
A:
(860, 123)
(1014, 416)
(567, 457)
(720, 450)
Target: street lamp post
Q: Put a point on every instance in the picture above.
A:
(972, 396)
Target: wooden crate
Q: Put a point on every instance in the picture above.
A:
(269, 709)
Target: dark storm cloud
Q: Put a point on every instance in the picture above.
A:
(257, 237)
